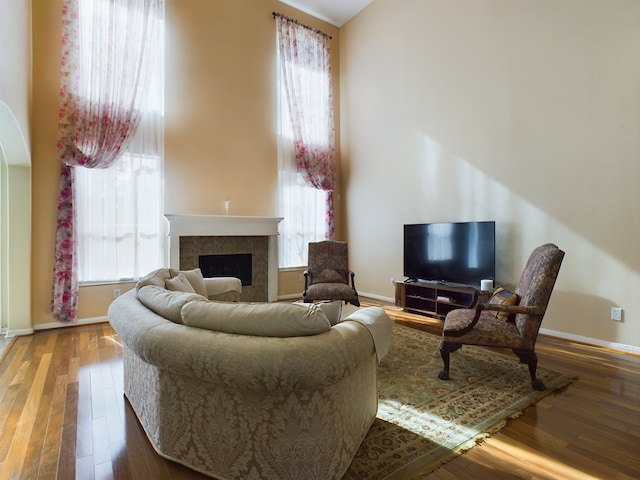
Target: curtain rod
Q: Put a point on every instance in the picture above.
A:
(277, 14)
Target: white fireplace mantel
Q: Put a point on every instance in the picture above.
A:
(222, 225)
(226, 225)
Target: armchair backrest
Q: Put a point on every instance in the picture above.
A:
(328, 262)
(535, 286)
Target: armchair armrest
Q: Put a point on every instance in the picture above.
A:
(306, 274)
(528, 310)
(352, 275)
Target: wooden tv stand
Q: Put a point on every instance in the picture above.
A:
(433, 299)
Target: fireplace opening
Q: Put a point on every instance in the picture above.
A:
(237, 265)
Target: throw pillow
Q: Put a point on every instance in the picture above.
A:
(179, 283)
(503, 297)
(157, 278)
(257, 319)
(195, 278)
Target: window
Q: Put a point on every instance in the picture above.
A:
(119, 214)
(302, 206)
(306, 146)
(119, 210)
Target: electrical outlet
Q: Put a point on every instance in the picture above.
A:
(616, 314)
(301, 278)
(116, 292)
(392, 281)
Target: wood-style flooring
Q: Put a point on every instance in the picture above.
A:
(63, 416)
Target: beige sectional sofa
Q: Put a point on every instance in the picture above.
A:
(249, 390)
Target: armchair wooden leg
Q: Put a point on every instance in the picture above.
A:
(445, 349)
(531, 359)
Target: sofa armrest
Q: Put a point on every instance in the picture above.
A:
(223, 288)
(380, 326)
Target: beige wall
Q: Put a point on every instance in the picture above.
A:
(291, 283)
(521, 112)
(221, 105)
(220, 122)
(527, 113)
(45, 168)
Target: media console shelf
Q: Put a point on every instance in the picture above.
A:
(433, 299)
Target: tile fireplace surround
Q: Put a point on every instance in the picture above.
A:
(227, 234)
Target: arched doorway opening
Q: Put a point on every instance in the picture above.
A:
(15, 227)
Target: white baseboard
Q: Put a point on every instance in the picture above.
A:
(84, 321)
(591, 341)
(377, 297)
(17, 333)
(295, 296)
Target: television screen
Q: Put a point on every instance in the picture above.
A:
(462, 252)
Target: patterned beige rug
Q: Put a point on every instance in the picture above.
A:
(423, 421)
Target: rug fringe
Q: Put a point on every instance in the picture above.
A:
(460, 449)
(423, 457)
(481, 437)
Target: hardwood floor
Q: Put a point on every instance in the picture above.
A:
(63, 416)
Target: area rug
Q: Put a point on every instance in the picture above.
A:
(423, 422)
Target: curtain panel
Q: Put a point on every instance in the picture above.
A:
(306, 75)
(103, 81)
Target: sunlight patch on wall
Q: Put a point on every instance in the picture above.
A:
(460, 191)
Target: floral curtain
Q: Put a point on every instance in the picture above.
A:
(107, 49)
(306, 73)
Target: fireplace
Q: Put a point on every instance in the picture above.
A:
(230, 238)
(237, 265)
(225, 249)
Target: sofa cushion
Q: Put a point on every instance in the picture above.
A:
(179, 283)
(503, 297)
(257, 319)
(194, 277)
(166, 303)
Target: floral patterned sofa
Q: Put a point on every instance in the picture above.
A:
(250, 390)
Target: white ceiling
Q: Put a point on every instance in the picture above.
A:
(336, 12)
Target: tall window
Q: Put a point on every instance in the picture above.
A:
(119, 209)
(110, 93)
(306, 145)
(302, 206)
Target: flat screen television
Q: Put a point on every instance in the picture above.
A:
(461, 252)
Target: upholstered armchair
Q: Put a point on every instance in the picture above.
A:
(328, 276)
(507, 320)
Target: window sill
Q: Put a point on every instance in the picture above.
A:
(292, 269)
(106, 282)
